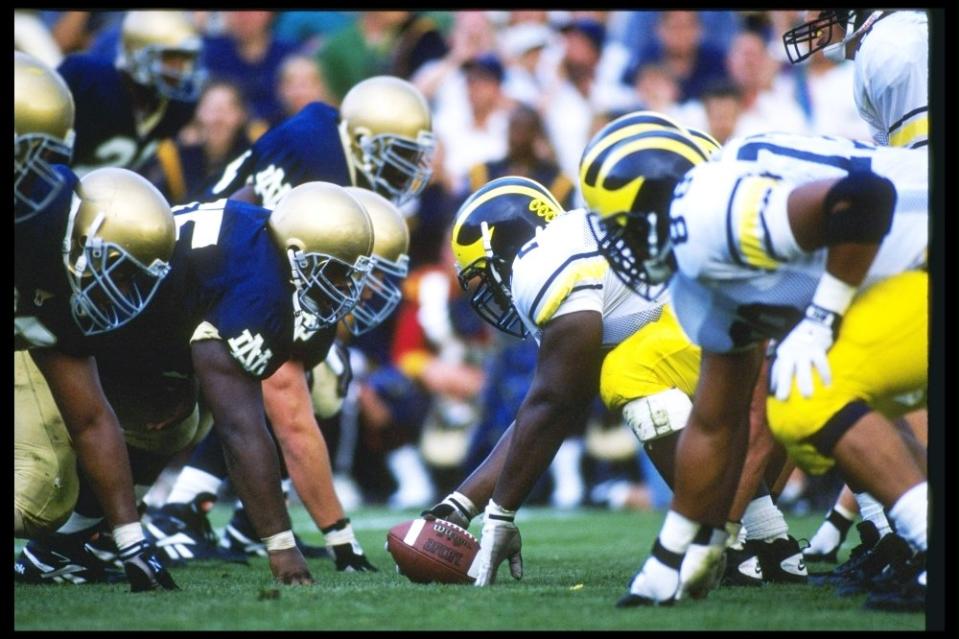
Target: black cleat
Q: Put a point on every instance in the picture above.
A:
(781, 560)
(891, 554)
(629, 600)
(868, 537)
(742, 567)
(66, 563)
(910, 598)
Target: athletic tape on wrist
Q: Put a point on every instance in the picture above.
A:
(280, 541)
(833, 294)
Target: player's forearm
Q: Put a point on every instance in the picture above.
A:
(308, 462)
(101, 452)
(541, 427)
(254, 468)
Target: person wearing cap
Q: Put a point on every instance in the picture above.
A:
(527, 70)
(477, 133)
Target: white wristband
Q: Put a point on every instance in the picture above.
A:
(342, 536)
(833, 294)
(280, 541)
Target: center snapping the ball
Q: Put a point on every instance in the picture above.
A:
(433, 550)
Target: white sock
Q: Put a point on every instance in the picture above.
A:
(286, 484)
(191, 482)
(568, 488)
(829, 536)
(763, 520)
(415, 484)
(678, 532)
(77, 523)
(911, 514)
(871, 510)
(128, 534)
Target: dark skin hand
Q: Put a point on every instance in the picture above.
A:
(236, 402)
(94, 430)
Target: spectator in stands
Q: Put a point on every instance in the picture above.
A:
(681, 47)
(360, 50)
(527, 72)
(568, 107)
(769, 102)
(300, 83)
(182, 167)
(249, 55)
(418, 40)
(723, 104)
(478, 133)
(528, 154)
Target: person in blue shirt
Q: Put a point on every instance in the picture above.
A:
(124, 108)
(381, 139)
(86, 263)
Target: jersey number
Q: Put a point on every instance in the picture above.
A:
(206, 218)
(750, 151)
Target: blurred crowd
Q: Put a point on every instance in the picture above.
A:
(512, 93)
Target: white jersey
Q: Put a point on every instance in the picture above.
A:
(561, 271)
(891, 81)
(804, 158)
(741, 276)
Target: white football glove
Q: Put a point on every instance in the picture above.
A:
(500, 540)
(803, 349)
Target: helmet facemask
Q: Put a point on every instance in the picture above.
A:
(491, 297)
(184, 81)
(380, 296)
(35, 182)
(638, 249)
(395, 167)
(110, 286)
(806, 39)
(325, 287)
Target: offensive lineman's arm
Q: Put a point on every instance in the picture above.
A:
(236, 401)
(94, 429)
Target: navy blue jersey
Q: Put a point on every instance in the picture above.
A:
(106, 130)
(303, 148)
(41, 291)
(227, 281)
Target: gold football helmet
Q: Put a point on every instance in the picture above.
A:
(43, 134)
(490, 228)
(386, 126)
(161, 49)
(327, 237)
(391, 241)
(630, 186)
(117, 248)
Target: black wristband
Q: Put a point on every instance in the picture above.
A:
(338, 525)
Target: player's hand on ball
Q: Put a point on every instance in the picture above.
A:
(500, 541)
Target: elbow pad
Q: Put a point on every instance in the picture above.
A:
(859, 209)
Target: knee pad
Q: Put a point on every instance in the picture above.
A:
(658, 415)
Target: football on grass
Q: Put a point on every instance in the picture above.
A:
(435, 550)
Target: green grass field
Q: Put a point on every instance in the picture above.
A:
(577, 566)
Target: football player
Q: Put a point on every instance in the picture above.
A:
(43, 116)
(245, 284)
(294, 422)
(549, 280)
(833, 270)
(124, 109)
(804, 158)
(380, 139)
(890, 50)
(87, 264)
